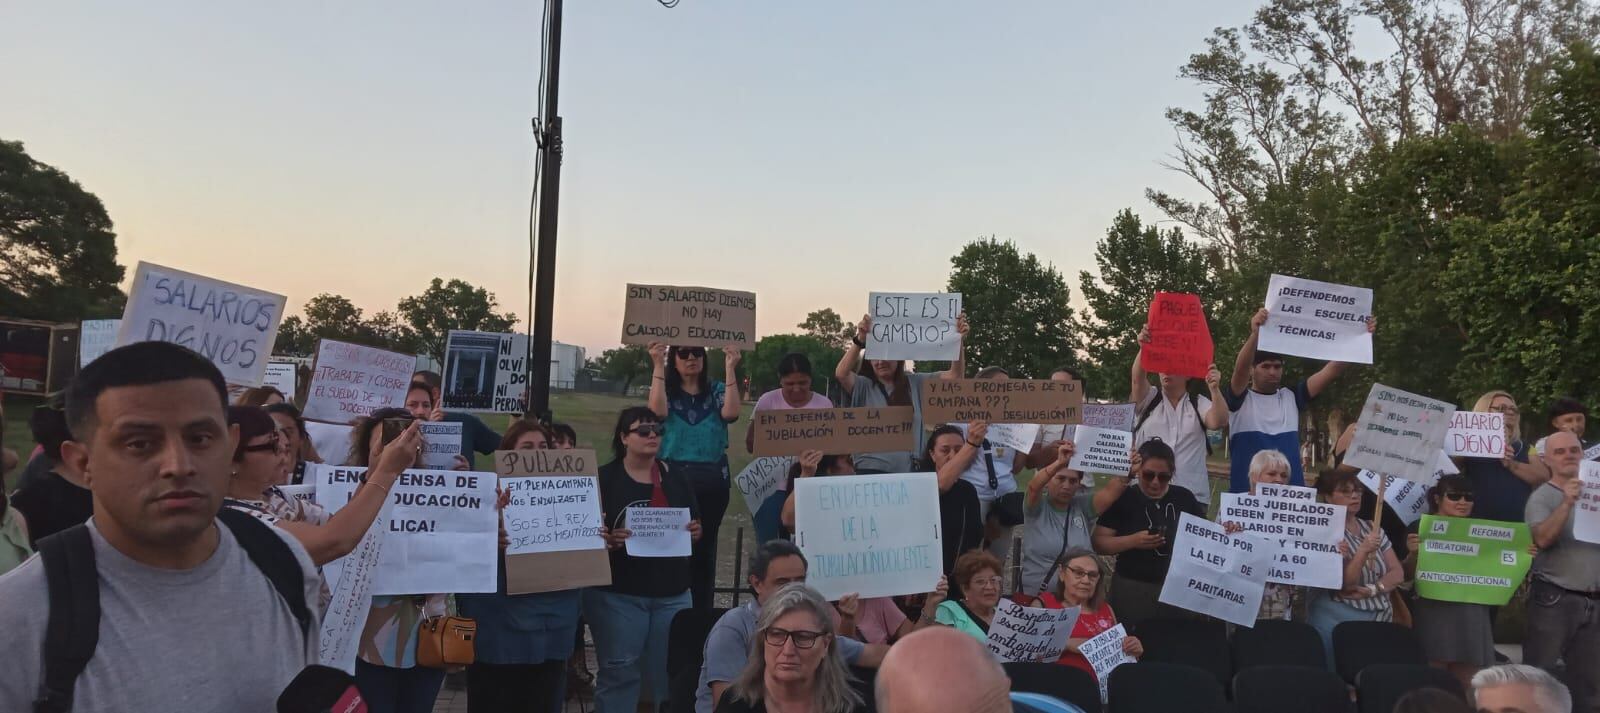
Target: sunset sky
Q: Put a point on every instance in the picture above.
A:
(808, 151)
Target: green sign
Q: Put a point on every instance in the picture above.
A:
(1474, 561)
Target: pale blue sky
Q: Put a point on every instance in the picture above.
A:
(808, 151)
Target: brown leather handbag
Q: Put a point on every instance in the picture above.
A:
(446, 641)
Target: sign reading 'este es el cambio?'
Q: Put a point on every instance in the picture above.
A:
(689, 317)
(917, 326)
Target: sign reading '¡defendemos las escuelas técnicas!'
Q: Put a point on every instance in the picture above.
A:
(1460, 559)
(791, 432)
(913, 325)
(1002, 401)
(1317, 320)
(351, 380)
(875, 535)
(485, 372)
(232, 325)
(1400, 433)
(689, 317)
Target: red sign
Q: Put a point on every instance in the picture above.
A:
(1180, 341)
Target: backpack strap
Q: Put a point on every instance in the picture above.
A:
(1194, 401)
(273, 557)
(1144, 413)
(73, 628)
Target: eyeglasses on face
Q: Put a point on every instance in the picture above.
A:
(1505, 409)
(801, 639)
(986, 582)
(648, 430)
(1163, 476)
(273, 445)
(1092, 575)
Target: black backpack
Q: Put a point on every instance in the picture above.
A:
(73, 628)
(1194, 403)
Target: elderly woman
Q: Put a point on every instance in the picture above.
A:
(1083, 581)
(1371, 570)
(795, 663)
(1456, 636)
(978, 574)
(1272, 468)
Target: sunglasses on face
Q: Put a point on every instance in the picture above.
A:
(648, 430)
(694, 353)
(1457, 497)
(801, 639)
(1162, 476)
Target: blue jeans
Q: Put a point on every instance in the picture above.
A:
(398, 690)
(1323, 614)
(630, 644)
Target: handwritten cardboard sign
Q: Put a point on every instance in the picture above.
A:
(791, 432)
(96, 337)
(1476, 434)
(232, 325)
(1180, 341)
(1002, 401)
(759, 480)
(1101, 450)
(1020, 633)
(350, 381)
(485, 372)
(689, 317)
(1214, 573)
(913, 325)
(1400, 433)
(553, 570)
(875, 535)
(1318, 320)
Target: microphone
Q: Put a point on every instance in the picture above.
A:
(321, 689)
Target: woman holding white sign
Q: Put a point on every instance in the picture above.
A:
(884, 382)
(1456, 636)
(1058, 513)
(1084, 577)
(630, 618)
(1139, 528)
(696, 412)
(1272, 468)
(1503, 485)
(793, 392)
(1371, 570)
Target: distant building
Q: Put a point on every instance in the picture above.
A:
(566, 363)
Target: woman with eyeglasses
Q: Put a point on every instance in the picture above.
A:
(795, 663)
(885, 382)
(1082, 584)
(1456, 636)
(1503, 484)
(696, 412)
(1139, 529)
(978, 574)
(1371, 570)
(631, 617)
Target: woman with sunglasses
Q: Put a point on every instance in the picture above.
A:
(1371, 570)
(1503, 484)
(978, 574)
(1139, 529)
(885, 382)
(1082, 584)
(631, 617)
(696, 412)
(795, 663)
(1455, 636)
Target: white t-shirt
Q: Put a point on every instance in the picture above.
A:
(1179, 427)
(978, 472)
(773, 401)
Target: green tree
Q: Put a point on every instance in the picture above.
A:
(294, 338)
(827, 326)
(58, 253)
(762, 364)
(1017, 309)
(625, 365)
(454, 305)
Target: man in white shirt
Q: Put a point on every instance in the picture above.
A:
(1180, 419)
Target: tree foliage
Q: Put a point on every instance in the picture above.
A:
(828, 327)
(1018, 309)
(625, 365)
(429, 317)
(58, 253)
(761, 365)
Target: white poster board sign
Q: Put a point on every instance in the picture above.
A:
(1317, 320)
(96, 337)
(1407, 498)
(763, 477)
(443, 531)
(908, 325)
(232, 325)
(1019, 437)
(350, 381)
(332, 441)
(1214, 573)
(304, 491)
(1586, 514)
(351, 584)
(485, 372)
(1120, 417)
(1101, 450)
(1301, 538)
(658, 532)
(1475, 434)
(874, 535)
(281, 375)
(553, 513)
(1104, 652)
(1400, 433)
(441, 443)
(1020, 633)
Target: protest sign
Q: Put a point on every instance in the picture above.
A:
(1180, 341)
(331, 441)
(658, 532)
(1299, 537)
(689, 317)
(875, 535)
(1319, 320)
(1287, 492)
(1104, 652)
(1101, 450)
(1119, 417)
(350, 380)
(913, 325)
(1002, 401)
(1460, 559)
(443, 531)
(485, 372)
(1018, 437)
(1407, 498)
(281, 375)
(562, 569)
(304, 491)
(1400, 433)
(1214, 573)
(232, 325)
(1020, 633)
(759, 480)
(96, 337)
(1586, 513)
(1476, 434)
(553, 513)
(351, 599)
(790, 432)
(441, 443)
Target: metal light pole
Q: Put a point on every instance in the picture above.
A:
(549, 140)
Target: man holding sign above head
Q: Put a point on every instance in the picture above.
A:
(1179, 418)
(1264, 414)
(1564, 607)
(885, 382)
(1139, 528)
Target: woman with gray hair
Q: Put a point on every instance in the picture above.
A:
(794, 660)
(1082, 584)
(1271, 467)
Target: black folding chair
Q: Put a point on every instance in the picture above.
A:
(1277, 643)
(686, 648)
(1201, 643)
(1359, 644)
(1272, 689)
(1380, 686)
(1073, 685)
(1163, 688)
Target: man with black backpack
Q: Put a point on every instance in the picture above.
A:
(1179, 418)
(160, 602)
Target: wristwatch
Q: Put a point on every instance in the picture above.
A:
(859, 342)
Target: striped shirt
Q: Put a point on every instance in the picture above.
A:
(1371, 572)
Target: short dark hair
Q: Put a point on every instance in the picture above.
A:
(1262, 357)
(361, 437)
(289, 410)
(1330, 479)
(562, 431)
(1156, 449)
(1456, 483)
(925, 463)
(794, 363)
(253, 422)
(431, 378)
(629, 415)
(48, 423)
(990, 371)
(1069, 371)
(139, 364)
(761, 559)
(420, 385)
(1565, 406)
